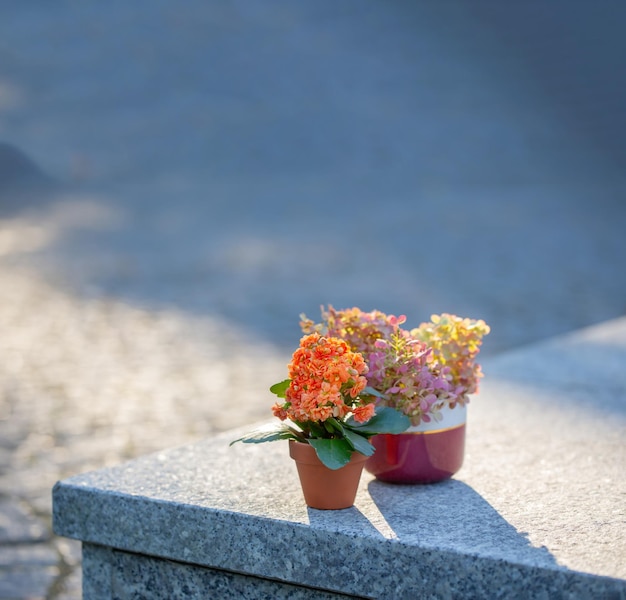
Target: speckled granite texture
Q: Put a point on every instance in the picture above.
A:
(115, 574)
(537, 510)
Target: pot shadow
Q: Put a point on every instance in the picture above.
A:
(450, 515)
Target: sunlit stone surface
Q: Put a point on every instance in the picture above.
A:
(538, 508)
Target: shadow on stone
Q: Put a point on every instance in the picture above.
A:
(450, 515)
(340, 519)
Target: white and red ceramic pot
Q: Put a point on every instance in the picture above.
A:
(425, 453)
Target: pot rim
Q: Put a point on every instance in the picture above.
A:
(305, 453)
(452, 419)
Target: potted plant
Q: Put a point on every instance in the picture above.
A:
(426, 373)
(326, 412)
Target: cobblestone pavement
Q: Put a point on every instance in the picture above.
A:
(179, 182)
(90, 383)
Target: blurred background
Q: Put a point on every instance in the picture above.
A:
(179, 181)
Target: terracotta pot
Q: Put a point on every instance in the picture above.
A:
(426, 453)
(325, 488)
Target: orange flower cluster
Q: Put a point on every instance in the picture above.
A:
(326, 380)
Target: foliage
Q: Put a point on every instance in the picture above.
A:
(417, 371)
(455, 342)
(327, 404)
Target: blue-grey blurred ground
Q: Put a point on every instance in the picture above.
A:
(178, 181)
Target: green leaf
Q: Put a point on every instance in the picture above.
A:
(370, 391)
(280, 388)
(313, 429)
(386, 420)
(359, 443)
(334, 453)
(335, 424)
(268, 434)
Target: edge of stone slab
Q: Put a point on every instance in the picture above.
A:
(170, 504)
(578, 358)
(297, 545)
(289, 552)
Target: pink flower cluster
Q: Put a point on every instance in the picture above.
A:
(359, 329)
(456, 342)
(403, 370)
(416, 372)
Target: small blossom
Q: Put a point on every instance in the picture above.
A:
(326, 378)
(455, 342)
(417, 371)
(364, 413)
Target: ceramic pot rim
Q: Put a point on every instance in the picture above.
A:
(305, 453)
(452, 419)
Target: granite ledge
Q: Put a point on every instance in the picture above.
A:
(536, 510)
(173, 505)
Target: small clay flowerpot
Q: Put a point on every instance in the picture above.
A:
(426, 453)
(325, 488)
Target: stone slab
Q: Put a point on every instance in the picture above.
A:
(588, 359)
(536, 510)
(124, 576)
(161, 506)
